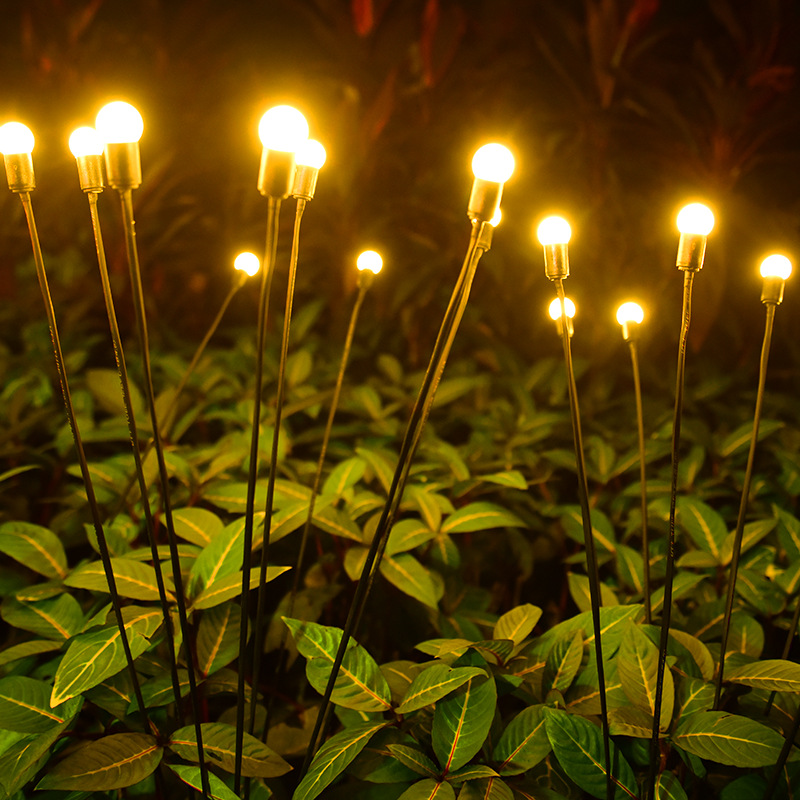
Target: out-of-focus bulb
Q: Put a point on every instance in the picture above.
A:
(630, 312)
(119, 123)
(283, 128)
(553, 230)
(310, 154)
(248, 263)
(496, 219)
(555, 309)
(493, 162)
(695, 218)
(85, 141)
(15, 139)
(776, 266)
(370, 260)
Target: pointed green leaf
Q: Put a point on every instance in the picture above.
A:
(563, 662)
(580, 592)
(25, 706)
(517, 624)
(345, 474)
(231, 586)
(705, 525)
(486, 789)
(408, 575)
(629, 721)
(218, 638)
(31, 648)
(408, 534)
(414, 759)
(668, 787)
(196, 525)
(335, 521)
(523, 743)
(744, 433)
(159, 691)
(429, 789)
(133, 578)
(35, 547)
(774, 675)
(434, 683)
(512, 478)
(602, 529)
(191, 777)
(480, 516)
(699, 652)
(56, 618)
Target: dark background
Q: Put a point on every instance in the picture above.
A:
(618, 112)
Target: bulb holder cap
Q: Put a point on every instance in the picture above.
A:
(90, 173)
(484, 200)
(276, 173)
(630, 331)
(305, 182)
(772, 290)
(19, 172)
(123, 165)
(570, 327)
(485, 236)
(556, 261)
(691, 251)
(366, 277)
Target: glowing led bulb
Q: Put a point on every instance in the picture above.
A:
(630, 312)
(493, 162)
(496, 219)
(695, 218)
(85, 142)
(370, 260)
(310, 154)
(555, 309)
(248, 263)
(283, 128)
(553, 230)
(119, 123)
(776, 266)
(15, 139)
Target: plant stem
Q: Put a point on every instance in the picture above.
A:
(786, 648)
(784, 755)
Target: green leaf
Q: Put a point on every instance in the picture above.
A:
(491, 789)
(34, 547)
(578, 746)
(512, 478)
(408, 534)
(775, 675)
(433, 683)
(414, 759)
(728, 739)
(380, 464)
(517, 624)
(698, 651)
(631, 567)
(602, 529)
(429, 789)
(56, 618)
(231, 585)
(377, 764)
(480, 517)
(668, 787)
(191, 777)
(196, 525)
(408, 575)
(222, 557)
(579, 590)
(104, 384)
(219, 748)
(694, 695)
(630, 721)
(335, 521)
(523, 743)
(34, 647)
(744, 433)
(345, 474)
(461, 722)
(333, 758)
(133, 578)
(159, 691)
(112, 762)
(25, 706)
(563, 662)
(218, 638)
(705, 525)
(428, 504)
(638, 667)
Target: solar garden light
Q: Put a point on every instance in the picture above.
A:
(16, 145)
(775, 269)
(630, 317)
(492, 166)
(554, 234)
(554, 310)
(282, 130)
(120, 127)
(695, 221)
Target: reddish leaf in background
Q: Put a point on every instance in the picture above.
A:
(430, 22)
(363, 16)
(642, 11)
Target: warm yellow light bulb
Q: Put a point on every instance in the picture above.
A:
(493, 162)
(696, 218)
(248, 263)
(554, 230)
(119, 123)
(555, 309)
(496, 219)
(15, 139)
(370, 260)
(85, 142)
(630, 312)
(311, 154)
(776, 266)
(283, 128)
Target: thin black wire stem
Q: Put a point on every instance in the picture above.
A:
(784, 755)
(382, 531)
(267, 268)
(122, 370)
(588, 533)
(748, 477)
(786, 648)
(637, 389)
(259, 631)
(129, 224)
(686, 315)
(348, 342)
(102, 544)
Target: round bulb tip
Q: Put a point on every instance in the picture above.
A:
(630, 312)
(776, 266)
(553, 230)
(283, 128)
(311, 154)
(493, 162)
(370, 260)
(119, 123)
(85, 141)
(248, 263)
(696, 218)
(555, 309)
(15, 139)
(496, 219)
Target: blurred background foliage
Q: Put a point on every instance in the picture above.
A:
(617, 112)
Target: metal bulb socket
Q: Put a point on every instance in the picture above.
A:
(772, 290)
(485, 236)
(570, 327)
(123, 165)
(276, 173)
(484, 201)
(366, 278)
(19, 172)
(90, 173)
(556, 261)
(691, 251)
(630, 330)
(305, 182)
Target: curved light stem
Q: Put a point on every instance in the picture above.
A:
(588, 533)
(686, 315)
(748, 477)
(129, 224)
